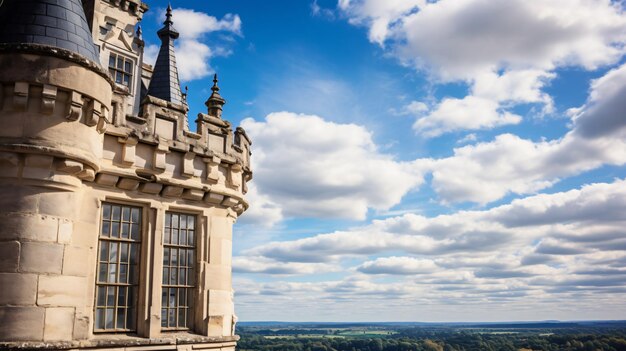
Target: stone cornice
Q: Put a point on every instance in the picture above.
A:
(44, 50)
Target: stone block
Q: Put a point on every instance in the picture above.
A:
(38, 166)
(18, 289)
(22, 323)
(17, 198)
(61, 291)
(75, 261)
(193, 194)
(59, 324)
(214, 198)
(216, 326)
(58, 203)
(230, 202)
(82, 328)
(9, 256)
(220, 302)
(41, 257)
(172, 191)
(150, 188)
(90, 209)
(107, 179)
(85, 234)
(29, 227)
(128, 184)
(69, 166)
(221, 227)
(66, 229)
(9, 163)
(217, 277)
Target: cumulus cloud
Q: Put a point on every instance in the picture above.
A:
(193, 55)
(605, 110)
(263, 211)
(471, 112)
(480, 43)
(336, 170)
(316, 168)
(473, 232)
(397, 265)
(273, 267)
(488, 171)
(470, 257)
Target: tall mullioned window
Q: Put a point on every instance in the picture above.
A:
(121, 69)
(178, 270)
(118, 268)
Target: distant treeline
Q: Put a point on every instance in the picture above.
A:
(417, 340)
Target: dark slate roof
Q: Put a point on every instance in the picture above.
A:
(164, 83)
(57, 23)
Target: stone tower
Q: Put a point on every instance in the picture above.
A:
(115, 218)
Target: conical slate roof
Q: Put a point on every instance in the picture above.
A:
(164, 83)
(56, 23)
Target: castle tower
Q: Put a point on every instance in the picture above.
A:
(115, 218)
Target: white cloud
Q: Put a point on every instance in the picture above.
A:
(605, 110)
(488, 171)
(263, 211)
(378, 15)
(480, 43)
(315, 168)
(470, 112)
(268, 266)
(565, 219)
(194, 24)
(565, 247)
(192, 53)
(398, 265)
(470, 36)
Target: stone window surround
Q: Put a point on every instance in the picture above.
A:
(190, 281)
(150, 288)
(132, 73)
(122, 70)
(108, 49)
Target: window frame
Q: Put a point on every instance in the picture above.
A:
(139, 288)
(190, 267)
(115, 70)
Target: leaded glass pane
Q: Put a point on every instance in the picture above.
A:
(118, 252)
(178, 270)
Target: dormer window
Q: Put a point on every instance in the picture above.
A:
(121, 69)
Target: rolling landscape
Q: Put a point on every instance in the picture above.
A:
(513, 336)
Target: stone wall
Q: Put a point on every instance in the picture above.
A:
(61, 157)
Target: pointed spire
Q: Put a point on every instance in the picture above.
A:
(168, 28)
(165, 83)
(215, 102)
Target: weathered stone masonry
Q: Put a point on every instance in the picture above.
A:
(76, 139)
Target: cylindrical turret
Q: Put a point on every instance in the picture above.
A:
(54, 105)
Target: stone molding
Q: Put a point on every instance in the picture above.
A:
(134, 7)
(177, 342)
(45, 50)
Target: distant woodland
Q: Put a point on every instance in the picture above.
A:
(420, 339)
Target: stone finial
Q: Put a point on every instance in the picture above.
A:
(216, 102)
(139, 33)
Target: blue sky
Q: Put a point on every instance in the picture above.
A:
(451, 160)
